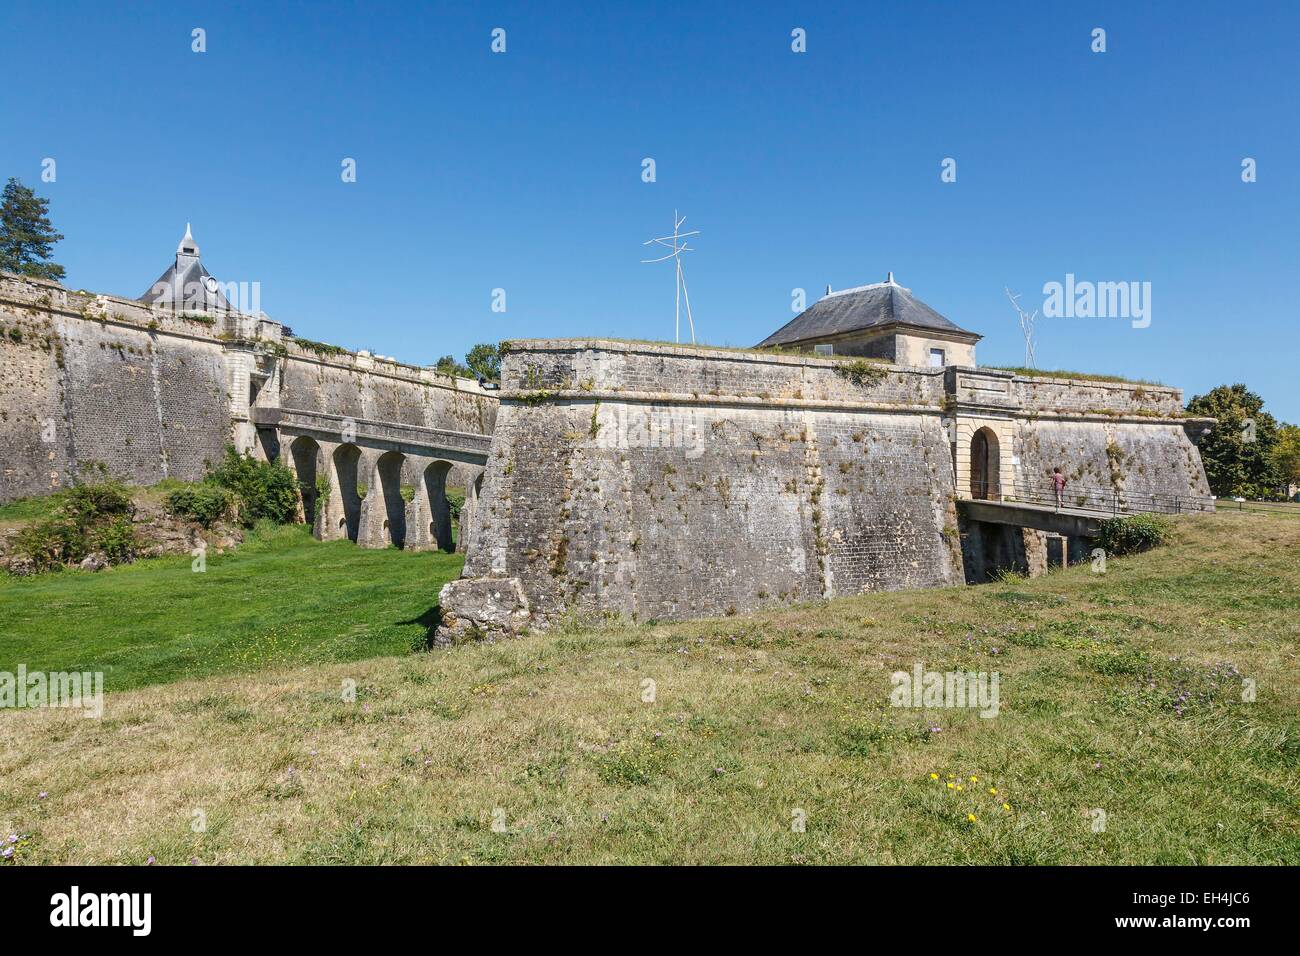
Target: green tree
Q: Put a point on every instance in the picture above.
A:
(484, 359)
(1286, 454)
(26, 236)
(1239, 451)
(448, 365)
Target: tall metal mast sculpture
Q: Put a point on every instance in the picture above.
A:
(677, 242)
(1026, 326)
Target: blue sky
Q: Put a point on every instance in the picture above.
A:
(522, 170)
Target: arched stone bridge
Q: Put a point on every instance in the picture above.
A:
(384, 483)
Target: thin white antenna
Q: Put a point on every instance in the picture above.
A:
(677, 242)
(1026, 326)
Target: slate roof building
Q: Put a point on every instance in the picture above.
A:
(881, 320)
(186, 286)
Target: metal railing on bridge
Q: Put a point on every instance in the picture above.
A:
(1094, 499)
(1289, 508)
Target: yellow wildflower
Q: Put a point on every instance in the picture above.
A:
(950, 785)
(934, 776)
(993, 790)
(1006, 806)
(970, 817)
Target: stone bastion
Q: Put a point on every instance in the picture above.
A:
(651, 481)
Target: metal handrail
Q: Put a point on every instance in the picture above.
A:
(1289, 508)
(1114, 501)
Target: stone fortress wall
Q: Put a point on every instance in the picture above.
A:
(151, 394)
(655, 481)
(661, 482)
(643, 480)
(1123, 438)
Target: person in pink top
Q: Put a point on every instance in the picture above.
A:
(1058, 480)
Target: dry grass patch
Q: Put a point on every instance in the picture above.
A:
(542, 750)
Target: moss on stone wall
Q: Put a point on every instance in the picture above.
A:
(320, 348)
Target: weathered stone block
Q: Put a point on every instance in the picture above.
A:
(482, 609)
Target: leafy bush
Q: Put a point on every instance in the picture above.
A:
(262, 489)
(116, 539)
(86, 503)
(1129, 535)
(89, 517)
(52, 543)
(205, 502)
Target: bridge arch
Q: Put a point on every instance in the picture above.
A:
(435, 492)
(343, 489)
(388, 488)
(304, 456)
(472, 502)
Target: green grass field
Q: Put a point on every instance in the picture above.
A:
(1122, 735)
(281, 598)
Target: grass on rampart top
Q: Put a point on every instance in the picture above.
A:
(1086, 376)
(770, 350)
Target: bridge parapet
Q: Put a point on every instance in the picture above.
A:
(441, 443)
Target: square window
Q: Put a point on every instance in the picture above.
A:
(937, 358)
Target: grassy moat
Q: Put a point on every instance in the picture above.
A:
(1122, 734)
(281, 598)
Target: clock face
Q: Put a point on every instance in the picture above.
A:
(210, 283)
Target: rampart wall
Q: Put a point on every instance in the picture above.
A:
(657, 481)
(150, 394)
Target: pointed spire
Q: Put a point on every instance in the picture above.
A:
(187, 247)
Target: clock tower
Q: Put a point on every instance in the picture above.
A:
(187, 286)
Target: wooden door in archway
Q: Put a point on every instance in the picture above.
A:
(984, 466)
